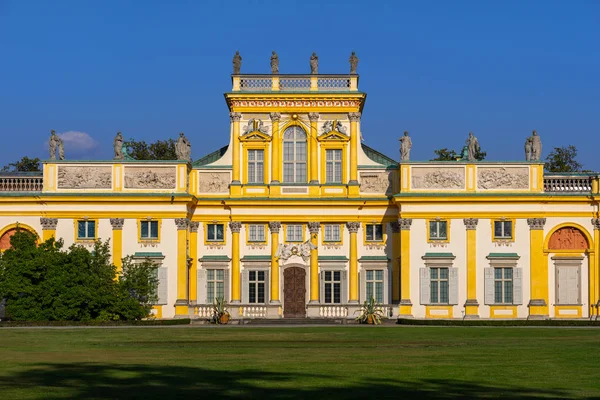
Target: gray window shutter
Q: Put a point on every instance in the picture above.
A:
(453, 286)
(561, 278)
(344, 284)
(163, 284)
(226, 285)
(425, 288)
(362, 284)
(267, 286)
(488, 274)
(517, 285)
(386, 286)
(201, 287)
(245, 297)
(322, 288)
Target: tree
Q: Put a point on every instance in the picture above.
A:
(444, 155)
(25, 164)
(562, 159)
(159, 150)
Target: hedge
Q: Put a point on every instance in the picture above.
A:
(149, 322)
(490, 322)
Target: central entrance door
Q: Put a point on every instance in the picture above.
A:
(294, 292)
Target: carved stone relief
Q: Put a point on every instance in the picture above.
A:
(503, 178)
(438, 178)
(568, 239)
(213, 182)
(150, 178)
(375, 182)
(84, 177)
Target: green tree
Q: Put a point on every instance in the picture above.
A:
(563, 159)
(159, 150)
(25, 164)
(450, 155)
(140, 281)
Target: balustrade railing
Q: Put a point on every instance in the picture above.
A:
(21, 183)
(295, 83)
(254, 311)
(568, 183)
(333, 311)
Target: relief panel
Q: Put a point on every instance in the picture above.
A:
(452, 178)
(150, 178)
(84, 177)
(503, 178)
(213, 182)
(375, 182)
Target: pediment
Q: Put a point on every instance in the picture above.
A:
(334, 136)
(255, 136)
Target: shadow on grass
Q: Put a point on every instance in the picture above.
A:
(114, 381)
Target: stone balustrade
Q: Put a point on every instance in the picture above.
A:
(295, 83)
(16, 182)
(568, 183)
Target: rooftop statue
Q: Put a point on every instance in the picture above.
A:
(353, 63)
(237, 63)
(314, 64)
(405, 146)
(118, 147)
(528, 148)
(55, 142)
(183, 148)
(472, 147)
(536, 147)
(274, 63)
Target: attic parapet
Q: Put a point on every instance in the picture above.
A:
(260, 83)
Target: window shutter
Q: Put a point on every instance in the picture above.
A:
(322, 288)
(453, 286)
(163, 284)
(201, 286)
(362, 282)
(267, 286)
(386, 286)
(344, 284)
(226, 285)
(573, 285)
(245, 297)
(425, 288)
(561, 278)
(517, 285)
(488, 274)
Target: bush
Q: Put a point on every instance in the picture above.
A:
(490, 322)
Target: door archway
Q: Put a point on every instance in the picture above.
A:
(294, 292)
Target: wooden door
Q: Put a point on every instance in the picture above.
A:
(294, 292)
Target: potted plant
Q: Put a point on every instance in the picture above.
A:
(220, 313)
(370, 313)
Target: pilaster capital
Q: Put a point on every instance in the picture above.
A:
(353, 226)
(314, 227)
(470, 223)
(117, 223)
(596, 223)
(275, 116)
(536, 223)
(181, 223)
(395, 227)
(235, 226)
(313, 117)
(194, 225)
(274, 227)
(48, 224)
(405, 223)
(235, 116)
(354, 116)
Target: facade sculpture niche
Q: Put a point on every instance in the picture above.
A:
(568, 238)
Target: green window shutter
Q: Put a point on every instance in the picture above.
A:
(453, 286)
(245, 282)
(163, 284)
(489, 291)
(201, 287)
(517, 285)
(425, 293)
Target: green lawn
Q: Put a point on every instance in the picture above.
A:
(300, 363)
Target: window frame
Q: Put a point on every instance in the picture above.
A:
(158, 229)
(437, 221)
(249, 234)
(257, 283)
(295, 161)
(374, 281)
(285, 233)
(503, 280)
(439, 280)
(214, 281)
(207, 228)
(503, 238)
(367, 240)
(340, 239)
(86, 221)
(255, 179)
(332, 283)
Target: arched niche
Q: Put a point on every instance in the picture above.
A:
(568, 238)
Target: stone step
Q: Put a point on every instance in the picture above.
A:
(294, 321)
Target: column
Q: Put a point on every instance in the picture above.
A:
(235, 142)
(353, 188)
(471, 305)
(405, 303)
(274, 227)
(395, 262)
(314, 158)
(117, 242)
(275, 149)
(194, 225)
(314, 228)
(595, 269)
(353, 273)
(236, 291)
(538, 267)
(181, 304)
(48, 228)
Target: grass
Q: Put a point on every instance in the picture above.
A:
(300, 363)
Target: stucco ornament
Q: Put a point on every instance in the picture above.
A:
(237, 63)
(405, 146)
(274, 63)
(285, 251)
(183, 148)
(329, 126)
(353, 60)
(256, 125)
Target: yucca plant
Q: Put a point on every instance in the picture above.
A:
(220, 313)
(370, 312)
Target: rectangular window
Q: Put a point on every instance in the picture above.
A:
(215, 232)
(438, 230)
(256, 160)
(333, 166)
(439, 285)
(374, 284)
(215, 284)
(149, 230)
(86, 229)
(374, 232)
(256, 286)
(332, 233)
(293, 233)
(503, 285)
(333, 287)
(503, 230)
(256, 233)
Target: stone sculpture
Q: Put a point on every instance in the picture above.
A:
(472, 147)
(256, 125)
(274, 63)
(336, 125)
(536, 146)
(353, 63)
(314, 64)
(183, 148)
(405, 146)
(528, 149)
(285, 251)
(54, 143)
(237, 63)
(118, 147)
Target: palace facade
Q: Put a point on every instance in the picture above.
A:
(295, 217)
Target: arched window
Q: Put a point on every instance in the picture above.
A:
(294, 155)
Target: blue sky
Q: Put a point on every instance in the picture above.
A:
(438, 69)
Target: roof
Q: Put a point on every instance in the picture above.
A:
(378, 157)
(211, 158)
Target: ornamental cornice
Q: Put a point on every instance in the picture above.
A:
(274, 227)
(235, 226)
(297, 102)
(235, 116)
(470, 223)
(353, 227)
(117, 223)
(181, 223)
(405, 223)
(536, 223)
(314, 227)
(48, 224)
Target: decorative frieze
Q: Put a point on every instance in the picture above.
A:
(150, 177)
(354, 116)
(84, 177)
(48, 224)
(235, 226)
(213, 182)
(335, 103)
(470, 223)
(438, 178)
(405, 223)
(181, 223)
(375, 182)
(314, 227)
(536, 223)
(194, 225)
(503, 178)
(353, 226)
(235, 116)
(313, 116)
(117, 223)
(274, 227)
